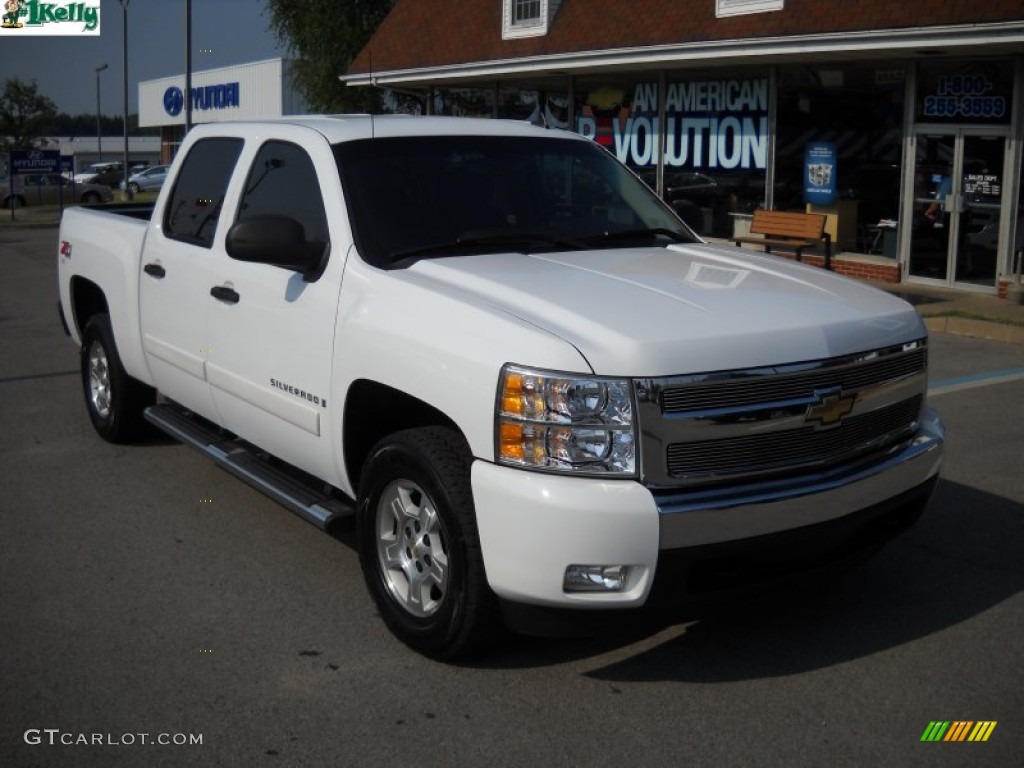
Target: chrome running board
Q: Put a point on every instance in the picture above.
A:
(244, 461)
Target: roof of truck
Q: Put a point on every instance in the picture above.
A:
(338, 128)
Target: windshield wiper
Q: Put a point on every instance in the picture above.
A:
(475, 240)
(636, 234)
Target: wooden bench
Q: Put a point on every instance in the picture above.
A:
(790, 231)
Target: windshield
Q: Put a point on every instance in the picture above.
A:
(429, 196)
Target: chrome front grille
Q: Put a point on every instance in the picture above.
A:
(737, 426)
(795, 449)
(711, 392)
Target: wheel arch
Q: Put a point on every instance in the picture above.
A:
(114, 400)
(374, 410)
(87, 299)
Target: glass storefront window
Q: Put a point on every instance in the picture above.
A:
(548, 108)
(399, 103)
(976, 92)
(1017, 251)
(464, 102)
(716, 139)
(519, 104)
(716, 148)
(555, 106)
(605, 113)
(858, 110)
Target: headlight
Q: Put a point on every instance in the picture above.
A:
(567, 423)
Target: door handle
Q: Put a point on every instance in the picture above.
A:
(154, 270)
(225, 294)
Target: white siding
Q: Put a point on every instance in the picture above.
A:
(263, 91)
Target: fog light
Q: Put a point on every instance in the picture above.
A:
(595, 578)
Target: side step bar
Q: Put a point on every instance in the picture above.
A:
(240, 459)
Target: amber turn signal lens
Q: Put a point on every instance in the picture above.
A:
(512, 394)
(512, 441)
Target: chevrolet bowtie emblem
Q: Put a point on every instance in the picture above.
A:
(830, 409)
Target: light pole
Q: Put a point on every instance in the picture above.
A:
(124, 16)
(99, 133)
(188, 67)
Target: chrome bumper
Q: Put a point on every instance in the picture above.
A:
(728, 514)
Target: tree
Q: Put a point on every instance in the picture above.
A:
(325, 36)
(24, 113)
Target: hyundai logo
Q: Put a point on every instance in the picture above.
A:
(174, 100)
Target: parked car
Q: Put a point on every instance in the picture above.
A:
(45, 189)
(111, 178)
(149, 179)
(110, 173)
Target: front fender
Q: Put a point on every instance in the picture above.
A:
(440, 345)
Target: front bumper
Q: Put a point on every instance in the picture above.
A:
(533, 525)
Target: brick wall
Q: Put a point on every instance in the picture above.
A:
(862, 270)
(426, 33)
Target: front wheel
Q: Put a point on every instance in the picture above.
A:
(90, 198)
(114, 399)
(418, 543)
(133, 187)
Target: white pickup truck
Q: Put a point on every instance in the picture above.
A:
(539, 394)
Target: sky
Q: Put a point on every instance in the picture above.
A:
(224, 32)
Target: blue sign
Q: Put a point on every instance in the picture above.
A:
(174, 101)
(203, 97)
(35, 161)
(67, 163)
(820, 173)
(215, 96)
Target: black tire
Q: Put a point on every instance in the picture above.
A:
(133, 187)
(14, 202)
(115, 401)
(90, 197)
(453, 612)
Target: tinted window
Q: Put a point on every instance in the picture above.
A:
(283, 182)
(195, 204)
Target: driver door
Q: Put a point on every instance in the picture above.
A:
(271, 332)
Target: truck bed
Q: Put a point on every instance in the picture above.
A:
(142, 211)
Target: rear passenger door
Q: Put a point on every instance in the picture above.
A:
(271, 336)
(179, 269)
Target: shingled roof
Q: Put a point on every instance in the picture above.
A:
(439, 34)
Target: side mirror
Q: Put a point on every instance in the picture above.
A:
(276, 240)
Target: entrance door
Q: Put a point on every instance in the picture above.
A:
(958, 180)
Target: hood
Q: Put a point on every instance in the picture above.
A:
(682, 309)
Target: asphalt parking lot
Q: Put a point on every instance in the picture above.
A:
(145, 591)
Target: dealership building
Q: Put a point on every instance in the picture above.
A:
(255, 90)
(901, 122)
